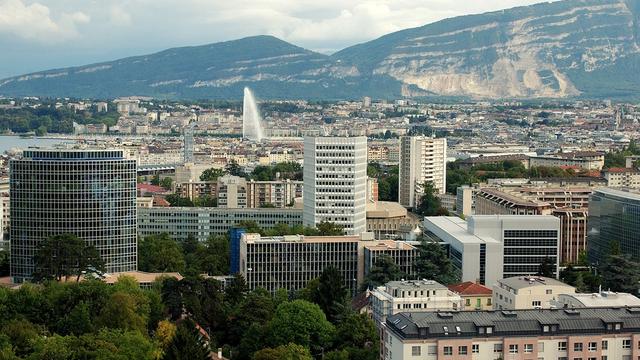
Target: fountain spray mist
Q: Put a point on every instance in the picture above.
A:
(251, 120)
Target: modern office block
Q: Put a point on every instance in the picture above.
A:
(87, 193)
(568, 203)
(486, 248)
(335, 182)
(290, 262)
(421, 159)
(603, 334)
(614, 216)
(202, 222)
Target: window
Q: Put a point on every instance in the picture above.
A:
(415, 351)
(497, 348)
(475, 348)
(468, 302)
(562, 346)
(432, 350)
(528, 348)
(462, 350)
(605, 344)
(536, 303)
(513, 349)
(540, 347)
(448, 350)
(604, 357)
(577, 347)
(489, 302)
(593, 346)
(549, 292)
(626, 344)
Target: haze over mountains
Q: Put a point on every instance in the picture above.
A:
(566, 49)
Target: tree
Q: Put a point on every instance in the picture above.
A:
(433, 263)
(212, 174)
(546, 268)
(166, 183)
(429, 204)
(155, 180)
(125, 311)
(331, 295)
(326, 228)
(621, 273)
(233, 168)
(64, 255)
(383, 270)
(206, 201)
(165, 332)
(178, 201)
(300, 322)
(356, 334)
(187, 343)
(160, 253)
(289, 351)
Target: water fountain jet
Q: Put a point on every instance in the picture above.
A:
(252, 128)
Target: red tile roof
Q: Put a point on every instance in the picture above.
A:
(148, 188)
(620, 170)
(470, 288)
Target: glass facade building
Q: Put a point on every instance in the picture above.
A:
(88, 193)
(614, 216)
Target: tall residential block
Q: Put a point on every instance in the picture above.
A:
(87, 193)
(421, 159)
(335, 182)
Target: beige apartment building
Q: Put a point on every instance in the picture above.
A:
(622, 177)
(528, 292)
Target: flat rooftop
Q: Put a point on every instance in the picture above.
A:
(521, 282)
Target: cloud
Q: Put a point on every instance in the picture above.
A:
(119, 16)
(34, 21)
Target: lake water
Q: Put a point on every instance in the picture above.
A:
(17, 142)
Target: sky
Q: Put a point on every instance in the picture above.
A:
(45, 34)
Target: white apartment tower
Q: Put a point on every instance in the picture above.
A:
(335, 182)
(421, 159)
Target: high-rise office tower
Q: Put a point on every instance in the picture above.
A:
(87, 193)
(335, 182)
(421, 159)
(188, 144)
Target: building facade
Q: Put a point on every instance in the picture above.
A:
(202, 222)
(88, 193)
(528, 292)
(422, 159)
(569, 204)
(622, 177)
(614, 216)
(474, 296)
(412, 295)
(601, 334)
(486, 248)
(335, 181)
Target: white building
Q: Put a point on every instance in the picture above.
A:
(421, 159)
(622, 177)
(595, 300)
(528, 292)
(335, 182)
(411, 296)
(487, 248)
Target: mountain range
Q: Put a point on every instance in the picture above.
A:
(564, 49)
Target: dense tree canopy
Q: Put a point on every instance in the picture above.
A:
(66, 255)
(433, 263)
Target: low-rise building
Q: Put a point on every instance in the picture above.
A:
(528, 292)
(622, 177)
(474, 296)
(411, 295)
(603, 333)
(588, 160)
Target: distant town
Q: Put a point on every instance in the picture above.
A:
(422, 230)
